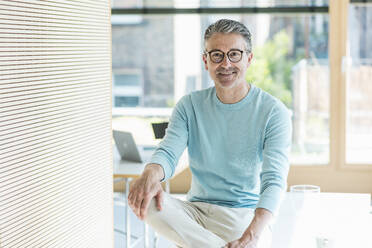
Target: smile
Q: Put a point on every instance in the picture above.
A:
(226, 74)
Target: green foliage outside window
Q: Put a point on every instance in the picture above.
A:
(271, 68)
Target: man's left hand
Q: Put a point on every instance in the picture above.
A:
(239, 243)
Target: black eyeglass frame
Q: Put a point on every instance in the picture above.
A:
(227, 54)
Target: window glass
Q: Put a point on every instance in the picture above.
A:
(126, 101)
(127, 80)
(290, 62)
(147, 46)
(359, 89)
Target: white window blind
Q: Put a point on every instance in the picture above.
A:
(55, 124)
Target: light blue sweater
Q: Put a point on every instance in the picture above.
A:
(238, 153)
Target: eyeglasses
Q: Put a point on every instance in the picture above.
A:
(217, 56)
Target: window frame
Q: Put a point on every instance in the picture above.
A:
(333, 174)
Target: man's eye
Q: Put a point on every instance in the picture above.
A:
(234, 54)
(216, 55)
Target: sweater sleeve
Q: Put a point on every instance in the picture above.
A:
(275, 167)
(174, 142)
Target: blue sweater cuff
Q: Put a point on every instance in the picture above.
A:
(167, 169)
(271, 198)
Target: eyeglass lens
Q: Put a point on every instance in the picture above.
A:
(233, 55)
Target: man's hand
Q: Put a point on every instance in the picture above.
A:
(251, 235)
(144, 189)
(240, 243)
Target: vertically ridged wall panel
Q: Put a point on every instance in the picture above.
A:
(55, 124)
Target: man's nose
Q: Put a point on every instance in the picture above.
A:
(226, 63)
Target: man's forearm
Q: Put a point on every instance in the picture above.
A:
(261, 219)
(154, 170)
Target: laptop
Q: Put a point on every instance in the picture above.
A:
(128, 149)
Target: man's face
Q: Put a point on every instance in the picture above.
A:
(227, 74)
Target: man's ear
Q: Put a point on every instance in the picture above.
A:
(250, 57)
(205, 61)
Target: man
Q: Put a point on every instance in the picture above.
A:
(238, 139)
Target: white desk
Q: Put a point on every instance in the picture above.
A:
(125, 171)
(342, 218)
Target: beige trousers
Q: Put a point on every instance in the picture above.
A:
(199, 224)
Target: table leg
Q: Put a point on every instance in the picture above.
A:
(127, 214)
(156, 240)
(146, 233)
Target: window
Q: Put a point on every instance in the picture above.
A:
(290, 62)
(126, 101)
(127, 80)
(359, 89)
(127, 88)
(148, 50)
(309, 79)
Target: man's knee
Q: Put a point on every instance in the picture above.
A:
(152, 211)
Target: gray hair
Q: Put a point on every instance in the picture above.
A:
(229, 26)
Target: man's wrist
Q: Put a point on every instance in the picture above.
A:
(155, 171)
(258, 224)
(249, 236)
